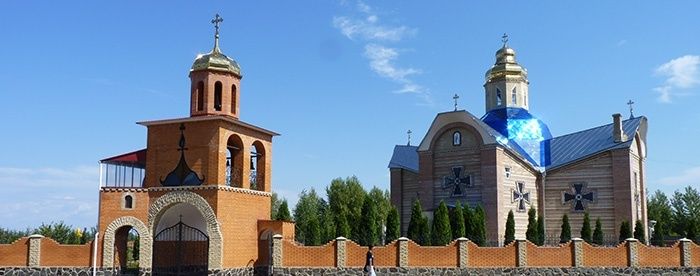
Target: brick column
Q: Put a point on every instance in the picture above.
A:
(463, 252)
(578, 251)
(340, 252)
(277, 250)
(686, 257)
(521, 246)
(403, 252)
(632, 245)
(34, 250)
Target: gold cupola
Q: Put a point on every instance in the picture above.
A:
(506, 81)
(216, 60)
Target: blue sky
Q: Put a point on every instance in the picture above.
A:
(342, 81)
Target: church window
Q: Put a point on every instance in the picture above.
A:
(233, 98)
(200, 96)
(507, 171)
(499, 98)
(456, 138)
(514, 96)
(128, 202)
(217, 96)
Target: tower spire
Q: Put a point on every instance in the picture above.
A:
(217, 19)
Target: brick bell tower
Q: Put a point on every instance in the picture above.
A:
(210, 172)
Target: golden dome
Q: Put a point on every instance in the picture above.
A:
(217, 61)
(505, 65)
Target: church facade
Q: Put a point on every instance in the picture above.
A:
(507, 160)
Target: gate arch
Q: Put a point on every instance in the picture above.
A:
(213, 231)
(145, 237)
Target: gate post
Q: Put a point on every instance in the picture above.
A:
(686, 256)
(463, 251)
(277, 251)
(34, 250)
(340, 252)
(578, 251)
(633, 252)
(403, 252)
(521, 247)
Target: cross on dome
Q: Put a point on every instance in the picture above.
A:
(504, 39)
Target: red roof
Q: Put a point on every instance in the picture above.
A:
(134, 159)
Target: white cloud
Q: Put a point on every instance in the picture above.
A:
(687, 177)
(369, 29)
(680, 73)
(381, 61)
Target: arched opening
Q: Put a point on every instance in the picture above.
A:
(217, 96)
(233, 98)
(234, 161)
(127, 250)
(257, 166)
(457, 138)
(499, 98)
(514, 96)
(181, 243)
(200, 96)
(128, 202)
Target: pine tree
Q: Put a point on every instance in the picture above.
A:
(457, 221)
(393, 227)
(531, 233)
(565, 235)
(424, 228)
(441, 231)
(313, 231)
(283, 212)
(625, 231)
(586, 228)
(469, 222)
(369, 232)
(598, 233)
(342, 227)
(658, 237)
(510, 228)
(414, 225)
(540, 230)
(639, 232)
(479, 227)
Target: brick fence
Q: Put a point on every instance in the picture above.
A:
(462, 253)
(39, 251)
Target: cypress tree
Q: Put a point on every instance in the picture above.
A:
(424, 228)
(313, 231)
(639, 232)
(468, 222)
(586, 228)
(658, 237)
(540, 230)
(457, 221)
(369, 232)
(598, 233)
(441, 232)
(415, 222)
(510, 228)
(531, 233)
(625, 231)
(342, 227)
(393, 227)
(479, 227)
(565, 235)
(283, 212)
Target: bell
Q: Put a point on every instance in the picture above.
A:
(252, 163)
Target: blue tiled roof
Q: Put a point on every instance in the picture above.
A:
(404, 157)
(524, 132)
(578, 145)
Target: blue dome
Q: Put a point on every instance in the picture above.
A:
(522, 132)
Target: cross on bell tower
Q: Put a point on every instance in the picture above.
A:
(217, 19)
(630, 103)
(455, 97)
(409, 132)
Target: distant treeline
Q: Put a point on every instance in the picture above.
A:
(58, 231)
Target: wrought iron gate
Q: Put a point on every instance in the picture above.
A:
(180, 250)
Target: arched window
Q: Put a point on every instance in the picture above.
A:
(200, 96)
(128, 202)
(234, 161)
(499, 98)
(257, 166)
(233, 98)
(217, 96)
(456, 138)
(514, 96)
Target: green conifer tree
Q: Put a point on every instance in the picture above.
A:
(625, 231)
(457, 221)
(639, 232)
(598, 233)
(342, 226)
(283, 212)
(441, 231)
(510, 228)
(540, 230)
(369, 232)
(531, 233)
(393, 227)
(658, 235)
(565, 235)
(586, 228)
(414, 225)
(424, 237)
(479, 227)
(469, 222)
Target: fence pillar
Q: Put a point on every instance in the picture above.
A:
(578, 251)
(633, 251)
(277, 251)
(340, 252)
(686, 257)
(463, 251)
(403, 252)
(34, 250)
(521, 247)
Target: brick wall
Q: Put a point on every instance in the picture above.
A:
(55, 254)
(14, 254)
(695, 254)
(560, 256)
(384, 256)
(660, 256)
(295, 255)
(605, 256)
(492, 256)
(432, 256)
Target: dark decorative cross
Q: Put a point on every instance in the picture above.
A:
(504, 39)
(217, 19)
(521, 196)
(456, 181)
(182, 138)
(409, 136)
(578, 198)
(630, 103)
(455, 97)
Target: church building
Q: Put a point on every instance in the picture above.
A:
(507, 160)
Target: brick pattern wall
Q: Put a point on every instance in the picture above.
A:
(695, 254)
(659, 256)
(492, 256)
(295, 255)
(55, 254)
(560, 256)
(605, 256)
(14, 254)
(433, 256)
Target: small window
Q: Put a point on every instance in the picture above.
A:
(128, 202)
(514, 96)
(217, 96)
(456, 138)
(499, 98)
(507, 171)
(233, 99)
(200, 96)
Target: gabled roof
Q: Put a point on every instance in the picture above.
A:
(569, 148)
(405, 157)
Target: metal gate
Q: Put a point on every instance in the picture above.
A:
(180, 250)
